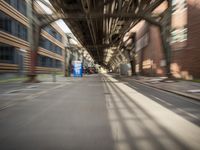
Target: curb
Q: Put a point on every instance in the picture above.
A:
(11, 81)
(171, 91)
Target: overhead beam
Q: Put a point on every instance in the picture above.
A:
(80, 16)
(154, 5)
(99, 46)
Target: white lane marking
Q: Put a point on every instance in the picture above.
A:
(7, 106)
(189, 114)
(191, 101)
(32, 96)
(180, 110)
(161, 100)
(13, 91)
(133, 86)
(43, 92)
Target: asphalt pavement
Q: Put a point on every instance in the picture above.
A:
(96, 112)
(183, 106)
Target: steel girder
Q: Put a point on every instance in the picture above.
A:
(98, 23)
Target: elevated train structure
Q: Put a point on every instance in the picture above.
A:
(111, 31)
(143, 33)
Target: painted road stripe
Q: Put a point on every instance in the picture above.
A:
(180, 110)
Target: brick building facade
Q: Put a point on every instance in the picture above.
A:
(185, 44)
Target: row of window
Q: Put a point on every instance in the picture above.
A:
(179, 35)
(179, 6)
(12, 26)
(44, 61)
(45, 43)
(19, 5)
(53, 33)
(7, 54)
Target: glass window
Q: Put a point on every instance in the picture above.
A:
(179, 35)
(14, 3)
(58, 64)
(7, 54)
(179, 6)
(1, 20)
(45, 43)
(12, 26)
(45, 61)
(22, 32)
(7, 24)
(59, 50)
(8, 1)
(53, 33)
(53, 47)
(19, 28)
(47, 29)
(19, 5)
(22, 7)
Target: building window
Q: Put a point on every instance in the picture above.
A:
(179, 35)
(179, 21)
(45, 61)
(46, 44)
(19, 5)
(7, 54)
(179, 6)
(12, 26)
(58, 64)
(53, 33)
(58, 50)
(23, 33)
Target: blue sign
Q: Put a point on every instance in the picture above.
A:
(77, 69)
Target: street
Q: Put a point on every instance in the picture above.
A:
(185, 107)
(96, 112)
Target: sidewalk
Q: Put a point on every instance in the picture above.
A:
(41, 77)
(15, 90)
(184, 88)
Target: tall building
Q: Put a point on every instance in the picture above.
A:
(185, 35)
(14, 44)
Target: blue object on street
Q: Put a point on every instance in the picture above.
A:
(77, 69)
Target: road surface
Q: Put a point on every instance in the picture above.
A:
(96, 112)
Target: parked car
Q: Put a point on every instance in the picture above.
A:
(90, 70)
